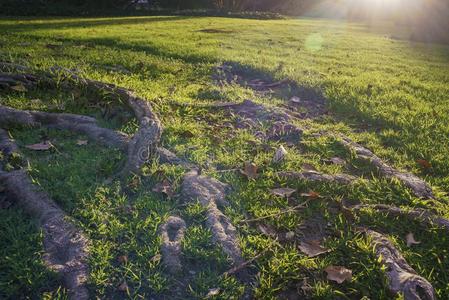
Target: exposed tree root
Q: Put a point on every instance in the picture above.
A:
(65, 246)
(317, 176)
(417, 214)
(419, 187)
(8, 80)
(145, 141)
(140, 147)
(172, 233)
(77, 123)
(210, 192)
(402, 278)
(12, 67)
(168, 157)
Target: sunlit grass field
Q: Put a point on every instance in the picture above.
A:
(390, 95)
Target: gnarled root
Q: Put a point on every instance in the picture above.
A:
(145, 141)
(417, 214)
(168, 157)
(8, 80)
(402, 278)
(419, 187)
(140, 147)
(209, 192)
(76, 123)
(65, 246)
(317, 176)
(172, 233)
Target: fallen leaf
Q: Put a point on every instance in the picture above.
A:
(165, 188)
(337, 161)
(250, 170)
(123, 287)
(36, 101)
(308, 167)
(424, 163)
(295, 99)
(289, 235)
(53, 46)
(312, 248)
(411, 240)
(123, 259)
(81, 142)
(283, 192)
(267, 230)
(311, 194)
(280, 154)
(187, 134)
(157, 258)
(213, 292)
(18, 88)
(338, 274)
(40, 146)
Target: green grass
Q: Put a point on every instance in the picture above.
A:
(391, 95)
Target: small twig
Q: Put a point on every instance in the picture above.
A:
(245, 264)
(282, 212)
(228, 170)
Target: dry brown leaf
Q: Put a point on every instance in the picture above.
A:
(40, 146)
(187, 134)
(295, 99)
(338, 274)
(311, 195)
(250, 170)
(123, 259)
(424, 163)
(18, 88)
(283, 192)
(123, 287)
(267, 230)
(280, 154)
(81, 142)
(337, 161)
(53, 46)
(312, 248)
(156, 258)
(213, 292)
(308, 167)
(411, 240)
(289, 235)
(164, 187)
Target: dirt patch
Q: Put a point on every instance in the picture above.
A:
(306, 102)
(250, 115)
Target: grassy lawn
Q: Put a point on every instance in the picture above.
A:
(390, 95)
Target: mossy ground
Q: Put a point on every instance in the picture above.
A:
(391, 95)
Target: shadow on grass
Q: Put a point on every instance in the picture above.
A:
(27, 24)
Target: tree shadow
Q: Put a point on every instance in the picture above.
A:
(58, 23)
